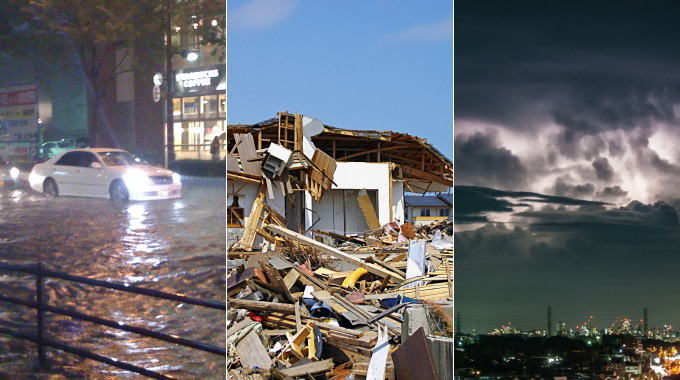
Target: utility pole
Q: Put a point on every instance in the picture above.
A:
(169, 149)
(549, 321)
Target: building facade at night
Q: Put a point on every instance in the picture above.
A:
(199, 100)
(40, 100)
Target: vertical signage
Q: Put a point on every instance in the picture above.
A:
(18, 122)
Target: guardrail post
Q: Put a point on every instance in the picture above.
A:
(40, 300)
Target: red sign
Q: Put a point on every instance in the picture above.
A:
(18, 98)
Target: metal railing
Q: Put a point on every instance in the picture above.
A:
(40, 304)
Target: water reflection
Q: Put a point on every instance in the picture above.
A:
(175, 246)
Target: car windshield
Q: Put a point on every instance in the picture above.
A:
(117, 158)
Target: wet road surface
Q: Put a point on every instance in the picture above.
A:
(175, 246)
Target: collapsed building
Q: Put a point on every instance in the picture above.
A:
(325, 276)
(337, 180)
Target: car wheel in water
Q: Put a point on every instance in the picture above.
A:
(50, 188)
(118, 192)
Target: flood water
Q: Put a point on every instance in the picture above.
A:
(176, 246)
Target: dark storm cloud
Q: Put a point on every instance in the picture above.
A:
(588, 67)
(603, 170)
(631, 229)
(594, 83)
(562, 188)
(483, 161)
(474, 201)
(612, 193)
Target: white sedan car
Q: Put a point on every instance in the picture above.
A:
(103, 173)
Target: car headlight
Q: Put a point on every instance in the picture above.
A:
(14, 173)
(176, 178)
(135, 178)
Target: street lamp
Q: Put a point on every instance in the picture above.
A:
(190, 55)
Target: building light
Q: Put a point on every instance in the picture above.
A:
(214, 23)
(192, 56)
(177, 29)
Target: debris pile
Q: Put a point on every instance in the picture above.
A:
(338, 306)
(320, 283)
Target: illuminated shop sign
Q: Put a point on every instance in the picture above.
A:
(18, 112)
(204, 80)
(198, 78)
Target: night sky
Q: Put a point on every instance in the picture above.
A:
(579, 100)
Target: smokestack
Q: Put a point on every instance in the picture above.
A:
(549, 321)
(644, 318)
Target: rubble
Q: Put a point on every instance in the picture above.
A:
(319, 302)
(331, 318)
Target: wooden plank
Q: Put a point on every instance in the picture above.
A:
(310, 368)
(246, 151)
(410, 172)
(372, 268)
(367, 341)
(232, 163)
(250, 231)
(298, 321)
(367, 209)
(278, 332)
(275, 278)
(284, 308)
(325, 296)
(291, 278)
(243, 177)
(449, 279)
(252, 353)
(386, 265)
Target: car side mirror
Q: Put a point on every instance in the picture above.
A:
(96, 165)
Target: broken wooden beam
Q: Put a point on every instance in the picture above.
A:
(284, 308)
(310, 368)
(372, 268)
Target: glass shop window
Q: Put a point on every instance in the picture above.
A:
(209, 106)
(190, 108)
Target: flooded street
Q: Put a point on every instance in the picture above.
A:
(176, 246)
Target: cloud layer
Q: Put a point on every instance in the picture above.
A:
(261, 14)
(588, 106)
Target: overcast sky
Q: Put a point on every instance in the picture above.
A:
(379, 64)
(578, 99)
(572, 98)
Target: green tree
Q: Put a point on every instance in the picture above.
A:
(94, 30)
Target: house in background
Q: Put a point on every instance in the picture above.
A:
(425, 209)
(335, 180)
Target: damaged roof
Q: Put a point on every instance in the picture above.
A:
(420, 164)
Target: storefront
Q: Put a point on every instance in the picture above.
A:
(199, 111)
